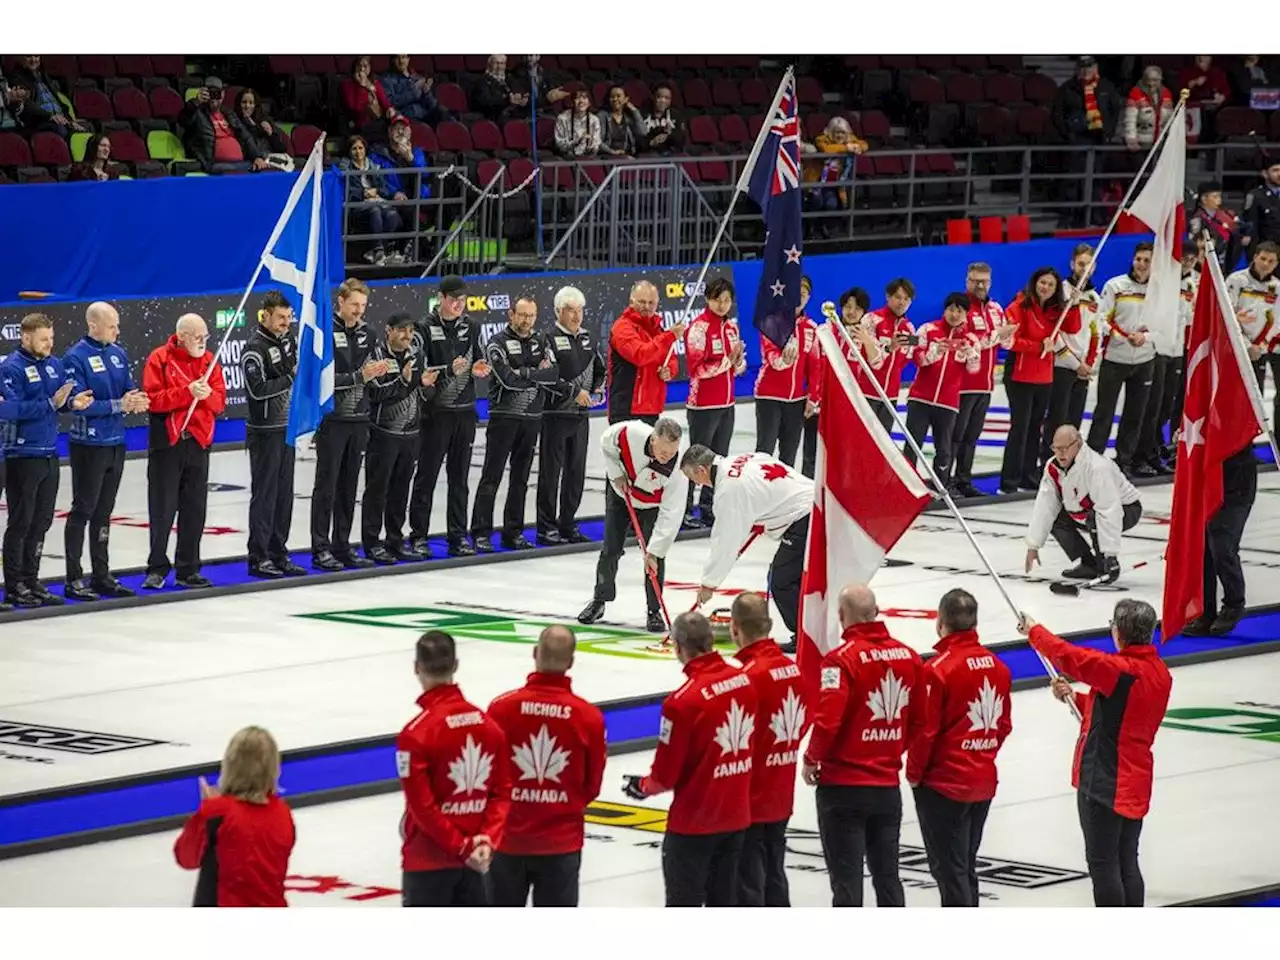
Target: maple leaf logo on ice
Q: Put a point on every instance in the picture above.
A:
(540, 759)
(787, 723)
(986, 709)
(889, 699)
(470, 772)
(734, 735)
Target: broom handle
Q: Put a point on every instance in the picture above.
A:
(653, 574)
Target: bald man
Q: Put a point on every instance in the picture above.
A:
(641, 358)
(556, 761)
(174, 378)
(98, 364)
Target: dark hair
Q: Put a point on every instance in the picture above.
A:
(274, 300)
(353, 140)
(697, 456)
(91, 147)
(436, 653)
(257, 101)
(958, 610)
(1080, 248)
(1135, 621)
(903, 284)
(858, 294)
(1209, 186)
(356, 60)
(957, 300)
(1030, 295)
(1267, 246)
(527, 298)
(1146, 246)
(691, 632)
(718, 287)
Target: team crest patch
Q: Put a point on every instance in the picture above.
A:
(830, 678)
(274, 354)
(402, 763)
(664, 731)
(116, 361)
(562, 343)
(513, 347)
(96, 365)
(33, 375)
(437, 333)
(339, 338)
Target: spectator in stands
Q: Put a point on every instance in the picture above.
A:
(207, 134)
(1147, 110)
(370, 196)
(578, 130)
(1087, 107)
(1245, 76)
(365, 101)
(1208, 84)
(410, 93)
(493, 95)
(44, 91)
(663, 130)
(621, 126)
(400, 153)
(17, 112)
(97, 161)
(1223, 225)
(839, 141)
(257, 135)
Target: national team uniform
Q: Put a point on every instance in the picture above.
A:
(709, 343)
(1257, 298)
(241, 850)
(875, 359)
(268, 364)
(1123, 366)
(984, 320)
(934, 397)
(1069, 392)
(780, 392)
(888, 372)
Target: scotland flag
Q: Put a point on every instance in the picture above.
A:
(772, 178)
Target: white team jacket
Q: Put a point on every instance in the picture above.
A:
(653, 485)
(1078, 341)
(1187, 305)
(1120, 309)
(1257, 298)
(1092, 482)
(754, 495)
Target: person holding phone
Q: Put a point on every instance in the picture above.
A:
(897, 339)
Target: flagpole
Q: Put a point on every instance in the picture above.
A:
(828, 310)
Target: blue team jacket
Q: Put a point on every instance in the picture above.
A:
(104, 369)
(28, 385)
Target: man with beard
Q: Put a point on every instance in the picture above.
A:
(1261, 215)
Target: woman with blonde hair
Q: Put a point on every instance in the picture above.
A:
(241, 837)
(842, 145)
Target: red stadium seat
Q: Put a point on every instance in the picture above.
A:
(925, 89)
(486, 136)
(479, 62)
(127, 147)
(167, 65)
(451, 97)
(934, 62)
(713, 171)
(756, 93)
(50, 150)
(519, 170)
(1039, 89)
(1003, 88)
(424, 137)
(166, 104)
(14, 151)
(93, 105)
(285, 65)
(963, 88)
(485, 171)
(637, 93)
(304, 139)
(697, 95)
(703, 131)
(724, 93)
(321, 64)
(134, 65)
(131, 104)
(517, 135)
(814, 124)
(1032, 123)
(960, 232)
(808, 92)
(454, 137)
(98, 66)
(1019, 227)
(874, 125)
(991, 230)
(733, 131)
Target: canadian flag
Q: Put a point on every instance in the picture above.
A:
(1222, 414)
(865, 498)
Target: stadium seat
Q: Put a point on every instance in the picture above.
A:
(304, 139)
(808, 92)
(451, 97)
(1011, 62)
(424, 137)
(874, 126)
(14, 151)
(991, 230)
(486, 136)
(97, 66)
(935, 62)
(814, 124)
(703, 131)
(1003, 88)
(756, 93)
(963, 88)
(79, 144)
(1039, 89)
(131, 104)
(134, 65)
(1241, 122)
(1019, 228)
(600, 93)
(994, 125)
(724, 93)
(127, 147)
(323, 64)
(696, 94)
(545, 132)
(379, 63)
(485, 171)
(960, 232)
(518, 171)
(50, 150)
(454, 138)
(925, 90)
(517, 135)
(638, 93)
(755, 123)
(733, 131)
(285, 65)
(93, 105)
(165, 104)
(1032, 124)
(168, 65)
(713, 171)
(970, 62)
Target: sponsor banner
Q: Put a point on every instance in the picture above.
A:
(84, 743)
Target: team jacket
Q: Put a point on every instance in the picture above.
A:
(269, 364)
(520, 379)
(629, 453)
(876, 359)
(451, 760)
(1035, 324)
(555, 759)
(705, 745)
(889, 371)
(939, 370)
(29, 385)
(352, 349)
(1187, 305)
(780, 703)
(967, 719)
(1092, 482)
(580, 367)
(985, 319)
(871, 705)
(446, 340)
(1084, 343)
(395, 404)
(104, 369)
(1120, 314)
(166, 379)
(709, 342)
(754, 494)
(1257, 298)
(1120, 715)
(638, 346)
(241, 850)
(779, 380)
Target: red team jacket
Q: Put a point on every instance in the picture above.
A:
(555, 758)
(889, 373)
(780, 702)
(708, 342)
(451, 760)
(241, 850)
(871, 705)
(637, 347)
(775, 381)
(704, 749)
(940, 371)
(968, 719)
(168, 372)
(1120, 716)
(1031, 364)
(985, 318)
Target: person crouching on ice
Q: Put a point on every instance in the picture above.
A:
(241, 836)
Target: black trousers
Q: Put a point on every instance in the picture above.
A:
(1260, 365)
(511, 439)
(177, 486)
(340, 446)
(553, 879)
(714, 430)
(968, 431)
(884, 413)
(444, 434)
(786, 571)
(617, 527)
(702, 871)
(388, 472)
(762, 876)
(925, 418)
(810, 445)
(1027, 405)
(1111, 853)
(1164, 380)
(1067, 398)
(1067, 532)
(95, 480)
(952, 832)
(1135, 379)
(31, 488)
(271, 494)
(1225, 528)
(857, 824)
(779, 424)
(458, 887)
(562, 470)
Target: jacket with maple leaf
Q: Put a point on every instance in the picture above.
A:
(704, 749)
(871, 705)
(451, 764)
(556, 758)
(780, 699)
(709, 342)
(968, 716)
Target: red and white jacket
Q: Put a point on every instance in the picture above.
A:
(778, 380)
(628, 452)
(967, 721)
(709, 342)
(985, 319)
(1036, 323)
(939, 369)
(889, 371)
(875, 360)
(781, 704)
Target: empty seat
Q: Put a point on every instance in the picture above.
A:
(733, 131)
(451, 97)
(165, 103)
(454, 137)
(519, 170)
(1038, 88)
(1032, 124)
(131, 104)
(14, 151)
(696, 93)
(925, 89)
(963, 88)
(1003, 88)
(50, 150)
(703, 131)
(637, 93)
(134, 65)
(1241, 122)
(168, 65)
(874, 126)
(486, 136)
(321, 64)
(97, 66)
(304, 139)
(756, 93)
(724, 93)
(127, 147)
(486, 170)
(285, 65)
(808, 92)
(517, 135)
(814, 124)
(93, 105)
